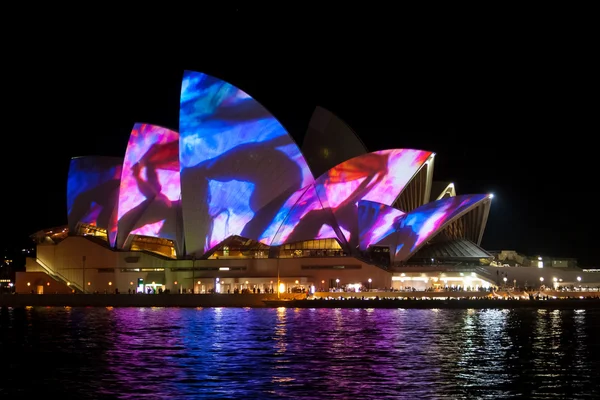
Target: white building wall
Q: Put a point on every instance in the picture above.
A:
(66, 258)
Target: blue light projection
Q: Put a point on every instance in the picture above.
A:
(93, 192)
(424, 222)
(376, 221)
(236, 159)
(305, 217)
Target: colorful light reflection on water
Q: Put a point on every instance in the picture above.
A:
(292, 353)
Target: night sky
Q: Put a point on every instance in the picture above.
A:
(510, 124)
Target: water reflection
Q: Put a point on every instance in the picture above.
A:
(308, 353)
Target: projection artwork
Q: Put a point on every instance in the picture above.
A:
(92, 192)
(302, 218)
(379, 176)
(236, 159)
(149, 199)
(376, 221)
(422, 223)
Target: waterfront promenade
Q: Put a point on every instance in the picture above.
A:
(479, 300)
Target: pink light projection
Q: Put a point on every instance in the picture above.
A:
(305, 219)
(424, 222)
(376, 221)
(150, 189)
(379, 176)
(239, 166)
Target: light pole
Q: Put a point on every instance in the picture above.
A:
(541, 281)
(370, 280)
(193, 275)
(505, 279)
(337, 283)
(278, 282)
(83, 270)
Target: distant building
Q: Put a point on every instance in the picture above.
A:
(515, 259)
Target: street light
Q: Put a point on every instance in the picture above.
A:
(370, 280)
(579, 279)
(337, 283)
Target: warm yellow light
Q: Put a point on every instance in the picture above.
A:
(68, 283)
(154, 283)
(28, 283)
(296, 281)
(282, 287)
(176, 282)
(109, 283)
(48, 284)
(198, 282)
(89, 283)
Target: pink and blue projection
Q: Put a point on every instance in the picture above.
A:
(376, 221)
(379, 176)
(150, 193)
(237, 162)
(424, 222)
(302, 218)
(92, 192)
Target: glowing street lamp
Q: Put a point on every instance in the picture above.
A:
(337, 283)
(370, 280)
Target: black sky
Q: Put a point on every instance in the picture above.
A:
(510, 121)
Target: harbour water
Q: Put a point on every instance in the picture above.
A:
(278, 353)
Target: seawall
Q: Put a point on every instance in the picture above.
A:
(271, 300)
(141, 300)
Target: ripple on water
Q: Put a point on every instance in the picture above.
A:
(310, 353)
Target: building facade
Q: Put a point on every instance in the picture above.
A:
(229, 202)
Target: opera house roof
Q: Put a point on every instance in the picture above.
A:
(232, 170)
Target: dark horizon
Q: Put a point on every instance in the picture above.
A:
(511, 134)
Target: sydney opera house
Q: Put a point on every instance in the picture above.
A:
(231, 202)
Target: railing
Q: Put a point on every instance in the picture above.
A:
(483, 271)
(57, 276)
